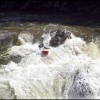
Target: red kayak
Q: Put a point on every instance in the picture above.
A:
(45, 52)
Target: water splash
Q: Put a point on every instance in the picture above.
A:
(67, 72)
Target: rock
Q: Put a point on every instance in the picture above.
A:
(81, 88)
(16, 58)
(7, 40)
(4, 57)
(4, 61)
(55, 41)
(59, 38)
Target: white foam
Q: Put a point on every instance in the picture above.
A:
(51, 76)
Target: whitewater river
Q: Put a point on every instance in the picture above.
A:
(71, 70)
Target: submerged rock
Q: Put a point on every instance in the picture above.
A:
(59, 38)
(16, 58)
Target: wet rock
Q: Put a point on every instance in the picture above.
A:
(55, 41)
(16, 58)
(59, 38)
(7, 40)
(4, 61)
(4, 57)
(81, 88)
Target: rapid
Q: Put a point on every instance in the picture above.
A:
(69, 71)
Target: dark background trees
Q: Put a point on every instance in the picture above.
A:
(81, 7)
(48, 5)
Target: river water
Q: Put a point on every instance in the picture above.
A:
(69, 71)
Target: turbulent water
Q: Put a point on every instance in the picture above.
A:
(71, 70)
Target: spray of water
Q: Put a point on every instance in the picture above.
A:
(69, 71)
